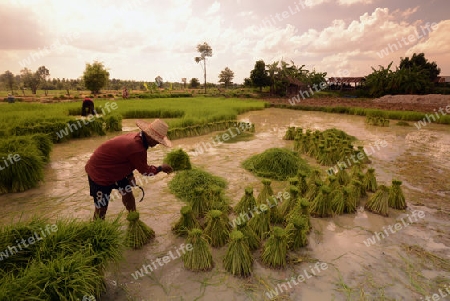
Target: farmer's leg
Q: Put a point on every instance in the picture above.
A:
(101, 195)
(128, 198)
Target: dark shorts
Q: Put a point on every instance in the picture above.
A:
(102, 194)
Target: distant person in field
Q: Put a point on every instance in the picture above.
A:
(112, 164)
(125, 93)
(88, 107)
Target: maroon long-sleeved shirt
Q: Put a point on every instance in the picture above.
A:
(117, 158)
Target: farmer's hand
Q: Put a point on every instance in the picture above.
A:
(166, 168)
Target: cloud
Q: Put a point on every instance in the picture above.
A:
(214, 8)
(312, 3)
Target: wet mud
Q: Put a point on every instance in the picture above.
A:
(406, 265)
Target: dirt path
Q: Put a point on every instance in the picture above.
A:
(418, 103)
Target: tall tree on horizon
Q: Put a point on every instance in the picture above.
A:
(204, 50)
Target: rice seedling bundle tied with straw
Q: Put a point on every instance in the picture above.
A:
(216, 230)
(321, 205)
(186, 222)
(379, 201)
(288, 205)
(247, 202)
(178, 160)
(396, 197)
(370, 181)
(253, 240)
(260, 223)
(200, 258)
(297, 233)
(138, 233)
(275, 249)
(238, 260)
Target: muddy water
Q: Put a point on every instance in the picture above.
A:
(355, 271)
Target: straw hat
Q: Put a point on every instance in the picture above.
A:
(157, 130)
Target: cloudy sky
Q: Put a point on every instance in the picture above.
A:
(141, 39)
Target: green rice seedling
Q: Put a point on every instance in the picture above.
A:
(343, 177)
(44, 144)
(356, 169)
(396, 197)
(138, 233)
(338, 199)
(402, 123)
(297, 144)
(321, 205)
(293, 181)
(362, 189)
(275, 249)
(266, 192)
(200, 202)
(274, 211)
(314, 176)
(370, 181)
(178, 159)
(246, 203)
(313, 190)
(297, 233)
(379, 202)
(332, 182)
(276, 163)
(290, 133)
(362, 155)
(253, 240)
(260, 222)
(200, 258)
(186, 222)
(184, 183)
(351, 199)
(61, 278)
(302, 186)
(238, 260)
(356, 186)
(289, 204)
(218, 200)
(216, 229)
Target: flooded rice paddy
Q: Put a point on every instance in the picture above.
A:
(411, 263)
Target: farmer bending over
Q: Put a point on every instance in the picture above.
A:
(88, 107)
(112, 164)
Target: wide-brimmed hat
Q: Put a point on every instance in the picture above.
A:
(157, 130)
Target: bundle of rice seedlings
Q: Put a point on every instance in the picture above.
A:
(276, 163)
(314, 176)
(289, 204)
(217, 229)
(186, 222)
(351, 199)
(266, 192)
(275, 249)
(247, 203)
(361, 153)
(356, 169)
(332, 182)
(338, 199)
(370, 181)
(184, 183)
(379, 201)
(138, 233)
(362, 189)
(355, 192)
(290, 133)
(321, 205)
(293, 181)
(396, 197)
(302, 186)
(200, 202)
(200, 258)
(343, 177)
(238, 260)
(178, 159)
(297, 233)
(44, 144)
(274, 211)
(218, 200)
(253, 240)
(260, 223)
(313, 190)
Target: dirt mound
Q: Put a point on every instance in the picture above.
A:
(415, 99)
